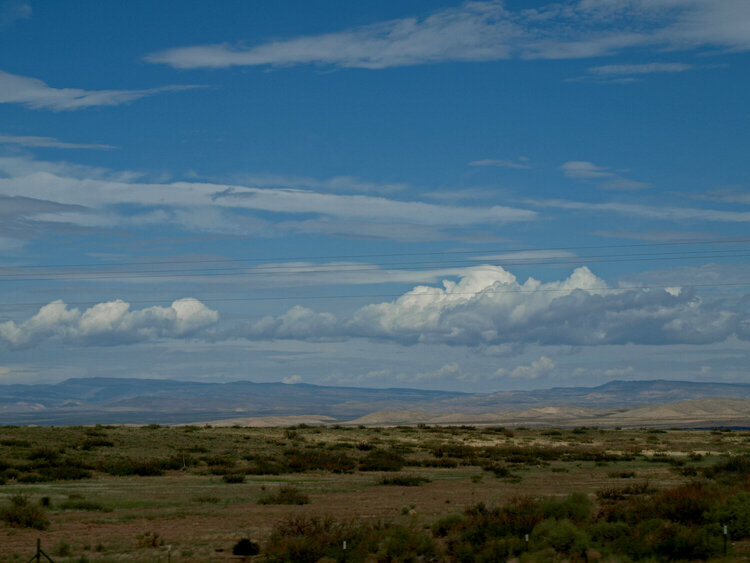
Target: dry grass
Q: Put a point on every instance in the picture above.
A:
(192, 509)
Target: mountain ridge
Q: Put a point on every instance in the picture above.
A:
(145, 400)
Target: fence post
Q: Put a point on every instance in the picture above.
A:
(39, 552)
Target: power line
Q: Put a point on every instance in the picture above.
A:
(289, 270)
(385, 255)
(396, 295)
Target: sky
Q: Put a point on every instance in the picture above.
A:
(473, 196)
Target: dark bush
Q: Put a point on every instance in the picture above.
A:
(455, 450)
(245, 548)
(267, 467)
(446, 525)
(79, 504)
(686, 504)
(621, 474)
(403, 481)
(300, 461)
(234, 478)
(14, 443)
(382, 460)
(286, 494)
(440, 462)
(44, 454)
(677, 542)
(575, 507)
(22, 513)
(499, 469)
(91, 443)
(125, 466)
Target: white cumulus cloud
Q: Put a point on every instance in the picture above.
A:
(488, 306)
(534, 370)
(108, 323)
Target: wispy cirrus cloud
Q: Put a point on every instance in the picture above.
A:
(483, 31)
(36, 94)
(629, 73)
(635, 69)
(344, 184)
(48, 142)
(667, 213)
(521, 164)
(605, 178)
(64, 193)
(12, 11)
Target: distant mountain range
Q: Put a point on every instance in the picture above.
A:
(142, 401)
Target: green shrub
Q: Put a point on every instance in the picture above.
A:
(735, 514)
(735, 468)
(22, 513)
(286, 494)
(300, 461)
(561, 535)
(678, 542)
(308, 540)
(576, 507)
(234, 478)
(267, 467)
(382, 460)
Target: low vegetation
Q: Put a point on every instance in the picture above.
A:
(427, 493)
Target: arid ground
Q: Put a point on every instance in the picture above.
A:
(191, 493)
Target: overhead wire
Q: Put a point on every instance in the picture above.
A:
(297, 269)
(687, 242)
(411, 294)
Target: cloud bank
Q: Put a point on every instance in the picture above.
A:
(108, 324)
(489, 306)
(485, 31)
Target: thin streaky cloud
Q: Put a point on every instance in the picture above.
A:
(607, 180)
(36, 94)
(502, 163)
(486, 31)
(13, 11)
(202, 204)
(650, 212)
(650, 68)
(48, 142)
(584, 169)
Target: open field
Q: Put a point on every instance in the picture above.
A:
(191, 493)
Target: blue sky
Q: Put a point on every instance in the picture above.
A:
(473, 196)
